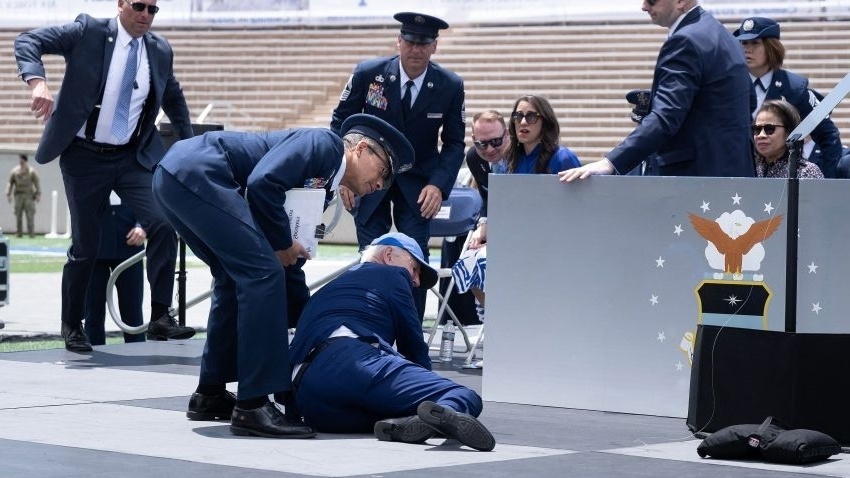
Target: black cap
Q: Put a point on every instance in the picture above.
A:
(420, 28)
(398, 148)
(757, 27)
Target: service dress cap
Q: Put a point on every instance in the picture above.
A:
(757, 27)
(398, 148)
(420, 28)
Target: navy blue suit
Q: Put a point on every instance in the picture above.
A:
(116, 222)
(354, 382)
(87, 45)
(702, 99)
(374, 88)
(795, 89)
(224, 192)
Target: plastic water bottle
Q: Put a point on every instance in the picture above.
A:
(447, 345)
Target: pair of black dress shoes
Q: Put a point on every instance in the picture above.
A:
(267, 421)
(432, 419)
(163, 328)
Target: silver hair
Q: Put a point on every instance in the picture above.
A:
(372, 251)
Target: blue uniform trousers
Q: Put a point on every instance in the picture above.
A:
(247, 337)
(352, 384)
(130, 287)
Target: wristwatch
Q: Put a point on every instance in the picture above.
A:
(482, 220)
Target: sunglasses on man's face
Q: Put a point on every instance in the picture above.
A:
(140, 7)
(494, 142)
(769, 129)
(531, 117)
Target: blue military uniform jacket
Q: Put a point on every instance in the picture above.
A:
(87, 45)
(795, 89)
(702, 99)
(261, 166)
(375, 301)
(374, 88)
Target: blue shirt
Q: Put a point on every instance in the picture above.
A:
(562, 160)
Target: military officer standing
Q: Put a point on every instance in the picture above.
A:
(419, 98)
(224, 192)
(24, 186)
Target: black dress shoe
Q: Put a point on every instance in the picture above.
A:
(166, 327)
(404, 429)
(267, 421)
(75, 338)
(211, 407)
(460, 426)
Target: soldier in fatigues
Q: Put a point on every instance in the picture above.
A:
(23, 184)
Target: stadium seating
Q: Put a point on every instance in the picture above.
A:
(271, 78)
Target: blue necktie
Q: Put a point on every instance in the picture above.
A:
(122, 108)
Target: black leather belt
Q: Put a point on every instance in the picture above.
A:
(317, 349)
(103, 148)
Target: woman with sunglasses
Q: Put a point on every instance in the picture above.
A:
(765, 54)
(534, 149)
(774, 122)
(535, 140)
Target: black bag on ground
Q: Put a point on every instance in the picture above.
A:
(769, 441)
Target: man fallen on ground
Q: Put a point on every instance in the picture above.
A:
(348, 378)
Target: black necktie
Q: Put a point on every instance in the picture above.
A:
(758, 86)
(406, 99)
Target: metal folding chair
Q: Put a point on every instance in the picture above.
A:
(458, 215)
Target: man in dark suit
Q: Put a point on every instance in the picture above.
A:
(419, 98)
(117, 77)
(224, 193)
(765, 54)
(702, 98)
(348, 378)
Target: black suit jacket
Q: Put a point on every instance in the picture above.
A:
(87, 45)
(699, 122)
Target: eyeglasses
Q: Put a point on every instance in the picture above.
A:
(140, 7)
(769, 129)
(385, 176)
(531, 117)
(494, 142)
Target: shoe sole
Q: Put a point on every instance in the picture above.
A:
(465, 428)
(207, 417)
(78, 349)
(414, 431)
(181, 336)
(244, 432)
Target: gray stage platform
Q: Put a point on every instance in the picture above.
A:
(119, 411)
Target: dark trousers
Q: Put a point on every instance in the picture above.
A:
(351, 384)
(407, 220)
(88, 178)
(130, 287)
(247, 338)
